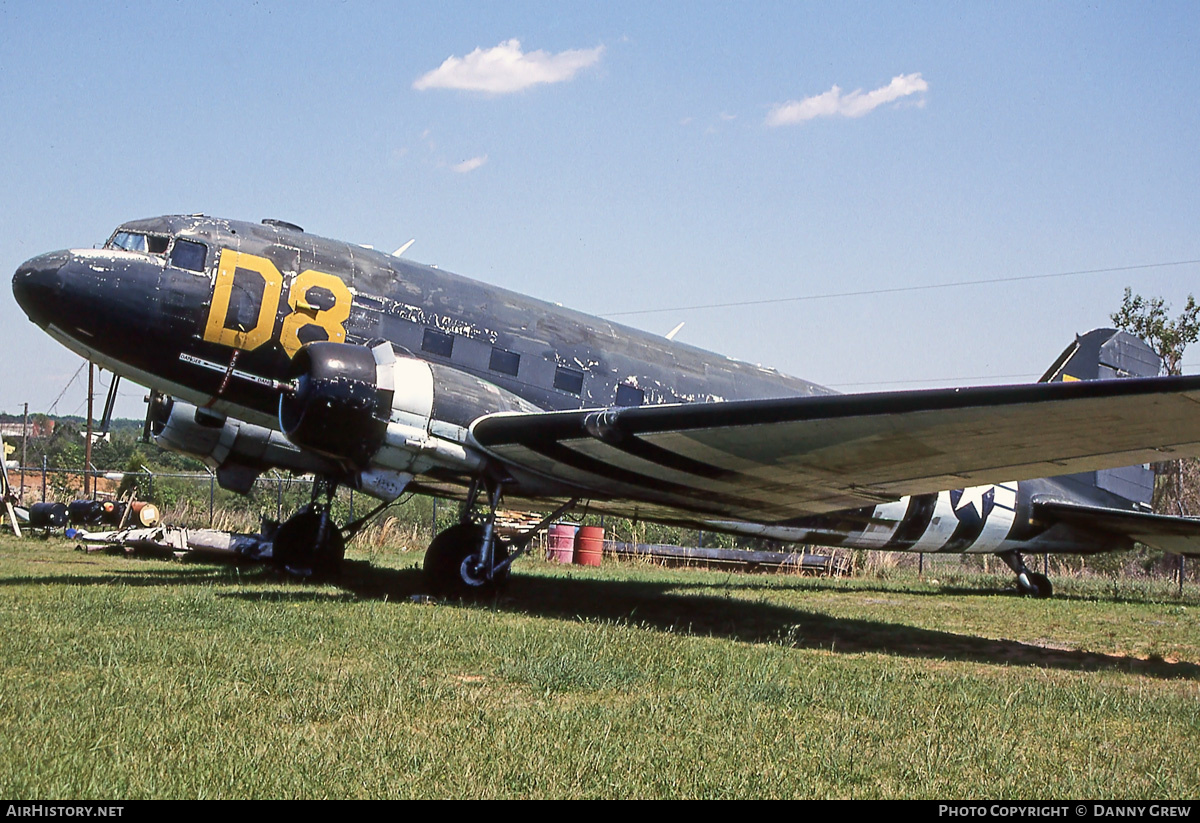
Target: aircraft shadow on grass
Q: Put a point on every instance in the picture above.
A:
(672, 607)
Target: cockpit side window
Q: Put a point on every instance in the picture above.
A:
(187, 254)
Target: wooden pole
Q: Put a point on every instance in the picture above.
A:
(87, 452)
(24, 442)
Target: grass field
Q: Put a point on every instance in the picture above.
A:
(129, 678)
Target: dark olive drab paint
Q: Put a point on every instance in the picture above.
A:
(397, 300)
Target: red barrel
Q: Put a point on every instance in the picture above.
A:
(589, 545)
(561, 538)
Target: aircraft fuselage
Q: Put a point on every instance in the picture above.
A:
(214, 312)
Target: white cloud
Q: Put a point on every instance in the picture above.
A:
(470, 165)
(855, 104)
(506, 68)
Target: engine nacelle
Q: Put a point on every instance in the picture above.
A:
(342, 400)
(370, 410)
(239, 451)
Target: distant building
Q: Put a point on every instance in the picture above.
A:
(38, 427)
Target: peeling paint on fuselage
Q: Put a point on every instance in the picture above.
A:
(397, 300)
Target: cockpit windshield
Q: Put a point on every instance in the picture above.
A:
(136, 241)
(184, 254)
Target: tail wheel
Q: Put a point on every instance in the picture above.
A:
(1033, 584)
(1041, 585)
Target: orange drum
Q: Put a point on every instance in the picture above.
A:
(589, 545)
(145, 513)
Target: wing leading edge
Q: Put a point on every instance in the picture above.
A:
(770, 461)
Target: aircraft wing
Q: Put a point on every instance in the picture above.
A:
(769, 461)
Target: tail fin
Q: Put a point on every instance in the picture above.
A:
(1105, 354)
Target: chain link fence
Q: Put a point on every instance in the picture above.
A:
(196, 500)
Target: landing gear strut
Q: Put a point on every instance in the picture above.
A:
(1029, 583)
(309, 543)
(469, 560)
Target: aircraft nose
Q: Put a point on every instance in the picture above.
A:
(37, 285)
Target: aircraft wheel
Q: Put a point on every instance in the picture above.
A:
(448, 571)
(298, 549)
(1042, 587)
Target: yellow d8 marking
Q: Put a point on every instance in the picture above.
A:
(216, 331)
(331, 320)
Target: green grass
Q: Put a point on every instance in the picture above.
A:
(127, 678)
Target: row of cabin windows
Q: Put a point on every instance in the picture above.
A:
(503, 361)
(184, 254)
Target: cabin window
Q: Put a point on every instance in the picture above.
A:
(187, 254)
(568, 380)
(630, 396)
(504, 361)
(245, 301)
(438, 342)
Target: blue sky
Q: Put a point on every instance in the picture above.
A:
(633, 156)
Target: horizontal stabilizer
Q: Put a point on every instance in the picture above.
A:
(1180, 535)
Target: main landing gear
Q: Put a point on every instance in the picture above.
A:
(309, 543)
(469, 560)
(1029, 583)
(455, 564)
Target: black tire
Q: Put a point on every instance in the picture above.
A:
(296, 548)
(1041, 584)
(444, 573)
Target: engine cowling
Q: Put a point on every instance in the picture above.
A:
(370, 409)
(342, 400)
(367, 417)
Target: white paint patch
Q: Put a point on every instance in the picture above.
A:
(941, 527)
(1000, 520)
(884, 522)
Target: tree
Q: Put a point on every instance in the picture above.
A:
(1147, 318)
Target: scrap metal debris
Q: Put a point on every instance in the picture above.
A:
(180, 543)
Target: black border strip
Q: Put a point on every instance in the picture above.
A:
(654, 453)
(586, 463)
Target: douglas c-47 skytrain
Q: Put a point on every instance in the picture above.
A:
(268, 347)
